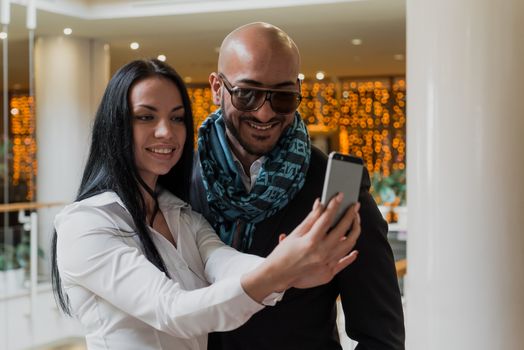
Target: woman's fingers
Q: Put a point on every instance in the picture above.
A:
(348, 220)
(306, 225)
(355, 231)
(316, 204)
(329, 248)
(346, 243)
(323, 255)
(324, 273)
(324, 222)
(346, 261)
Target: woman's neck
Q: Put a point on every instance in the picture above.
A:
(149, 200)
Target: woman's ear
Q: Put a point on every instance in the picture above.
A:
(216, 88)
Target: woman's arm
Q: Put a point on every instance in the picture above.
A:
(91, 254)
(221, 261)
(308, 257)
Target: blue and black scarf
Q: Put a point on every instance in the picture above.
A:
(234, 212)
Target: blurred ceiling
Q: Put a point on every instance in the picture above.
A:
(188, 33)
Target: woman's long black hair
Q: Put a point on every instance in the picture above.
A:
(111, 164)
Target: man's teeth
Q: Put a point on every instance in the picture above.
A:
(261, 127)
(161, 150)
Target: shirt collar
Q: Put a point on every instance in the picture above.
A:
(249, 179)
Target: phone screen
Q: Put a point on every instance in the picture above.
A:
(343, 174)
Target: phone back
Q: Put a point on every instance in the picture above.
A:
(343, 174)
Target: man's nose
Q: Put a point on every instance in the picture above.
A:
(265, 113)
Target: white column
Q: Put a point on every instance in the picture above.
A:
(465, 75)
(70, 77)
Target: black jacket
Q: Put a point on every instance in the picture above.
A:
(306, 318)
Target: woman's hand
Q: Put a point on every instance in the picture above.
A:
(311, 255)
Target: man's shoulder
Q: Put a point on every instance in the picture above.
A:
(317, 156)
(317, 167)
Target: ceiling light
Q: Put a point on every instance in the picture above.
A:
(398, 57)
(134, 46)
(3, 35)
(68, 31)
(162, 58)
(356, 41)
(301, 76)
(320, 75)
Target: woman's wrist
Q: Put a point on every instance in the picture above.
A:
(264, 280)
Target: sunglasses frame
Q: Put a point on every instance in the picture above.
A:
(269, 92)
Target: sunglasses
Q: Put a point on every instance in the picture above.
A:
(249, 99)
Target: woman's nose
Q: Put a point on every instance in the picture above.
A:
(163, 130)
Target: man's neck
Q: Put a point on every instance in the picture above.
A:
(245, 158)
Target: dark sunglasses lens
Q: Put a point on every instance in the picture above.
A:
(284, 102)
(247, 99)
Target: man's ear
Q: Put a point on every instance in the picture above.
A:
(216, 88)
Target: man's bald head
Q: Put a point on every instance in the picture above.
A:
(258, 45)
(254, 58)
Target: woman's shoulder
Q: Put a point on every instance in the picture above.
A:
(100, 200)
(95, 211)
(97, 200)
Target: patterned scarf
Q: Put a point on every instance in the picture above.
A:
(234, 212)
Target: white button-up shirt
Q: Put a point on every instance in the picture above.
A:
(249, 179)
(125, 302)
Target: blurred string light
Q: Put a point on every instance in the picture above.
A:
(162, 58)
(134, 45)
(24, 144)
(68, 31)
(201, 105)
(369, 117)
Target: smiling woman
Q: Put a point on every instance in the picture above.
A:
(159, 135)
(159, 132)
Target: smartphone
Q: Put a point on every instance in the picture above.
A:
(343, 174)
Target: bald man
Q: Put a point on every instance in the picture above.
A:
(256, 177)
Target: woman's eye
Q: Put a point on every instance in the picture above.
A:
(144, 117)
(178, 119)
